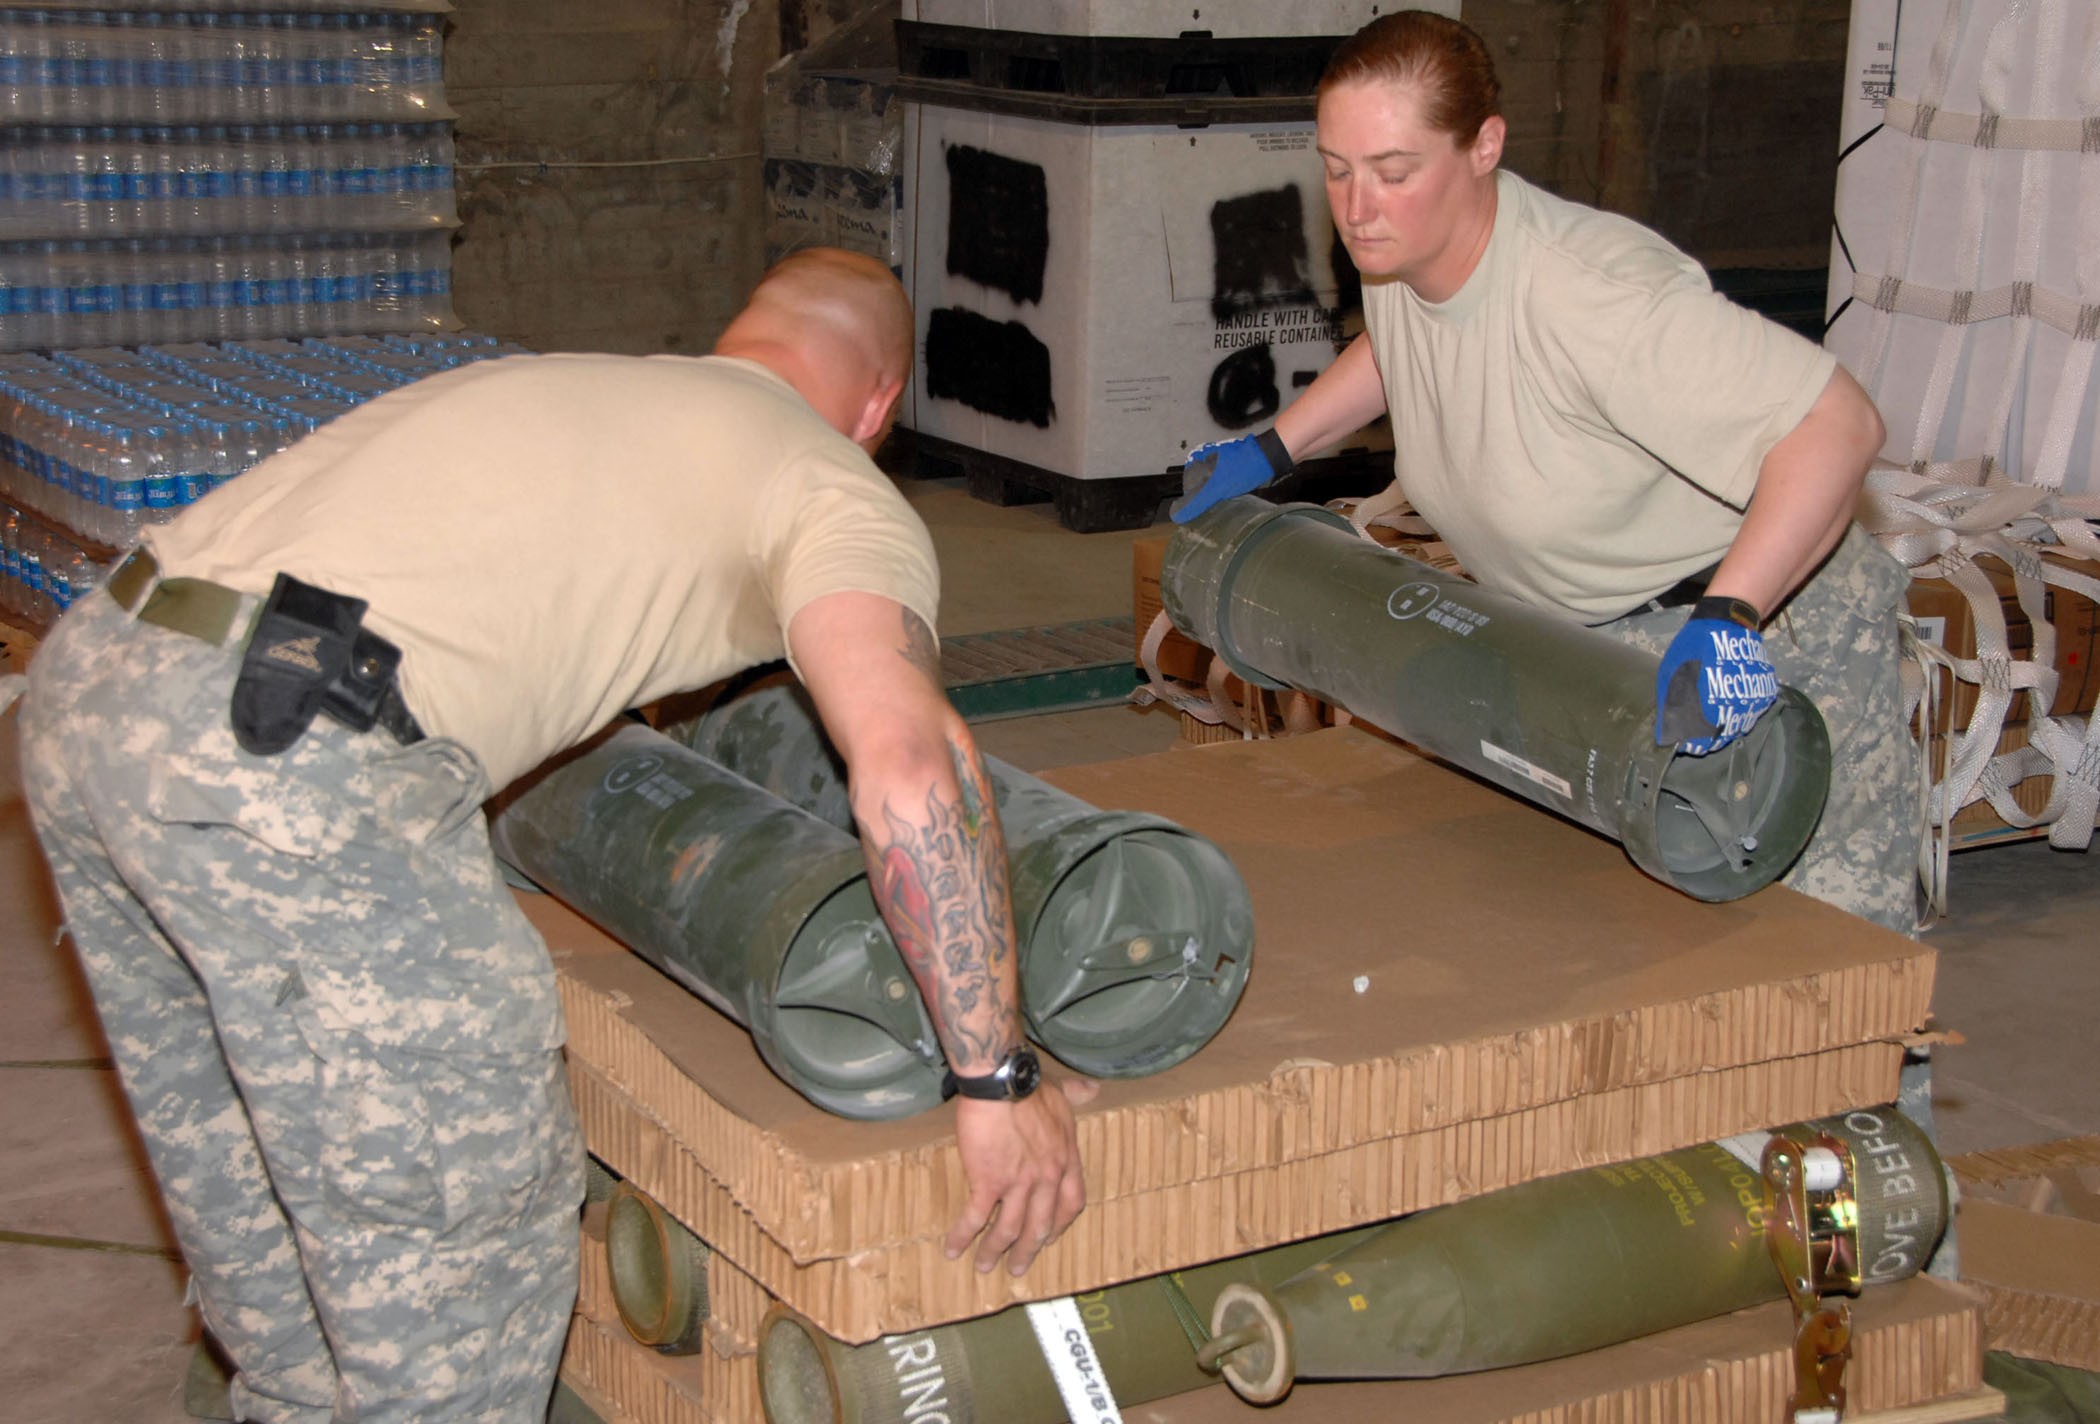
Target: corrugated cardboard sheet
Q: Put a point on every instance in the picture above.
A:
(2030, 1241)
(1452, 992)
(1914, 1344)
(713, 1384)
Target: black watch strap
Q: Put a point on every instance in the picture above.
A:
(1014, 1079)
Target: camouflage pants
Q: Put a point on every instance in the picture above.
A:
(339, 1036)
(1837, 641)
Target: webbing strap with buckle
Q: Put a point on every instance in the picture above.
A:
(198, 607)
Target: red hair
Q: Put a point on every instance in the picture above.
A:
(1445, 62)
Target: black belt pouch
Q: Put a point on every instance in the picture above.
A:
(307, 655)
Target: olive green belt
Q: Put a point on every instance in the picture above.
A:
(198, 607)
(220, 616)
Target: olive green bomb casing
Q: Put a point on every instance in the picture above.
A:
(1136, 935)
(1570, 1263)
(991, 1370)
(1562, 715)
(753, 904)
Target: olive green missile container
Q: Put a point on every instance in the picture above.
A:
(1135, 934)
(1562, 715)
(1567, 1264)
(751, 903)
(991, 1370)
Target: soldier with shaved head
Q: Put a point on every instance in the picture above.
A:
(257, 764)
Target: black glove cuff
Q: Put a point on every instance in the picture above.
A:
(1730, 610)
(1271, 446)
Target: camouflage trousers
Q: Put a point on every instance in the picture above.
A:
(339, 1036)
(1837, 641)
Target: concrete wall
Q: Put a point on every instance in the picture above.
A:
(610, 184)
(1713, 121)
(608, 167)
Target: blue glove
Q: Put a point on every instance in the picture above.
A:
(1215, 473)
(1715, 681)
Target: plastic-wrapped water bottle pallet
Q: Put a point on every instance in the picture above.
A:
(177, 181)
(96, 443)
(162, 65)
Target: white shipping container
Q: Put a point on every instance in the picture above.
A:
(1095, 301)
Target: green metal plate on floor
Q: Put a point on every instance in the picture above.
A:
(1025, 671)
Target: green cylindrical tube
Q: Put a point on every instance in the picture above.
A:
(756, 906)
(1562, 715)
(1135, 934)
(658, 1270)
(1566, 1264)
(991, 1370)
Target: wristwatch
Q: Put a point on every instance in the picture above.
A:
(1011, 1081)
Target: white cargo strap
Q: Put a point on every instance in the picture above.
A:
(1215, 706)
(1938, 531)
(1069, 1352)
(1388, 509)
(1159, 688)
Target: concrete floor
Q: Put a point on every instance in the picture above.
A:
(91, 1309)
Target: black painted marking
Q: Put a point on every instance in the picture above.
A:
(998, 221)
(998, 367)
(1243, 388)
(1261, 254)
(1348, 282)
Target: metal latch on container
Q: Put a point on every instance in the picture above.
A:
(1812, 1231)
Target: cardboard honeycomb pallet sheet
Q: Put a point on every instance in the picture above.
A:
(2030, 1242)
(1917, 1360)
(1452, 992)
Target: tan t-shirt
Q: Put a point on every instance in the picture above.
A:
(1584, 420)
(554, 539)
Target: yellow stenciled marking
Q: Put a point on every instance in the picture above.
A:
(1341, 1278)
(1357, 1302)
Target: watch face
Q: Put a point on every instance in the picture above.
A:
(1025, 1071)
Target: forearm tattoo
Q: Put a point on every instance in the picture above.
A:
(920, 648)
(942, 889)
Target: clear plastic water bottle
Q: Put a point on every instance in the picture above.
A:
(19, 32)
(135, 463)
(11, 589)
(29, 571)
(78, 573)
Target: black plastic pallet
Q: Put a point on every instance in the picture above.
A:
(1192, 80)
(1095, 506)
